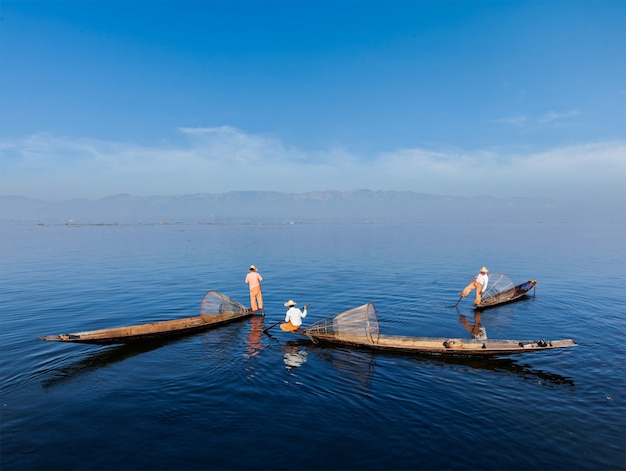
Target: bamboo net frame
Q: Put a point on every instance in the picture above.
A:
(358, 324)
(215, 303)
(499, 288)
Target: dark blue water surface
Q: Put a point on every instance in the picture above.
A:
(233, 398)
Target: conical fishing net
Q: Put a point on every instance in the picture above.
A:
(499, 287)
(215, 303)
(359, 323)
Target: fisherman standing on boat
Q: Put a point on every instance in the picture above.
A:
(294, 316)
(479, 284)
(253, 279)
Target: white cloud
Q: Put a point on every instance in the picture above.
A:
(550, 117)
(594, 170)
(515, 121)
(220, 159)
(553, 116)
(229, 144)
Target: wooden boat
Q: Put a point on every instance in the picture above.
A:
(358, 327)
(501, 290)
(215, 309)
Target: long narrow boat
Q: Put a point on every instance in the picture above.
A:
(358, 327)
(501, 290)
(215, 309)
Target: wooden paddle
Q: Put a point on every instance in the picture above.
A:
(271, 326)
(461, 297)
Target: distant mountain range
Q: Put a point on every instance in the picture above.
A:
(276, 207)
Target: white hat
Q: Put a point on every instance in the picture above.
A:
(290, 303)
(252, 267)
(484, 269)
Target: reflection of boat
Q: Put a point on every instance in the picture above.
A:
(502, 290)
(65, 369)
(358, 327)
(99, 359)
(360, 365)
(504, 365)
(215, 309)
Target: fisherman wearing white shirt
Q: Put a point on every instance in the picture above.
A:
(294, 316)
(479, 284)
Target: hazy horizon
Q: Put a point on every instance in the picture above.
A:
(271, 206)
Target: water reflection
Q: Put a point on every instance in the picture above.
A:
(507, 365)
(108, 355)
(294, 356)
(253, 342)
(477, 330)
(99, 359)
(355, 363)
(359, 364)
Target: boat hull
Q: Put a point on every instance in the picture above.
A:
(514, 294)
(147, 332)
(443, 346)
(358, 327)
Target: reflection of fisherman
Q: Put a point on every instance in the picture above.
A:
(294, 316)
(294, 357)
(477, 330)
(254, 338)
(479, 284)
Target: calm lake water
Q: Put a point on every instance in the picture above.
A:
(234, 398)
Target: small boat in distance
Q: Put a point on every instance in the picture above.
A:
(215, 309)
(502, 290)
(358, 327)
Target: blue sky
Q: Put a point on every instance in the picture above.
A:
(499, 98)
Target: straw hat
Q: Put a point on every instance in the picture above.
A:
(252, 267)
(484, 270)
(290, 303)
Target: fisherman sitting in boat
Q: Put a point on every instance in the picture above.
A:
(479, 284)
(294, 316)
